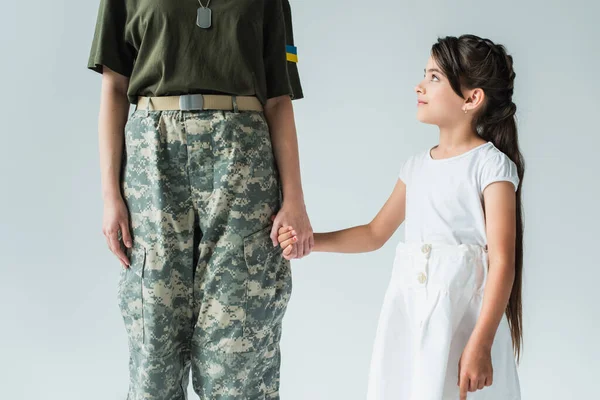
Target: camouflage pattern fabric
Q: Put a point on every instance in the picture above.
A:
(206, 289)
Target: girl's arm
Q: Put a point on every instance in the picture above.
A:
(500, 216)
(114, 108)
(475, 366)
(364, 238)
(280, 118)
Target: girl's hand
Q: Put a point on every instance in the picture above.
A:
(115, 222)
(287, 237)
(474, 368)
(294, 214)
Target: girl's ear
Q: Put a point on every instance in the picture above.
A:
(474, 99)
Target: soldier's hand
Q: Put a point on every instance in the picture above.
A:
(287, 239)
(115, 227)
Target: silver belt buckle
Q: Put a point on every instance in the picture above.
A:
(191, 102)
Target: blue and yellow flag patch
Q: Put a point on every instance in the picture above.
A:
(291, 53)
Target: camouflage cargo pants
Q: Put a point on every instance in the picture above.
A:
(206, 289)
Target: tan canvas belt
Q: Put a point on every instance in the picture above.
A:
(200, 102)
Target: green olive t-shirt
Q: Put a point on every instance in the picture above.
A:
(248, 50)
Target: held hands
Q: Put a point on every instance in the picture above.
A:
(287, 239)
(474, 368)
(293, 214)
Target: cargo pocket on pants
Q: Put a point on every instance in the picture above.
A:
(130, 295)
(268, 289)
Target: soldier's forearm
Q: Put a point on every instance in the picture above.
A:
(114, 108)
(279, 113)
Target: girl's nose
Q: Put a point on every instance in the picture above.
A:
(419, 89)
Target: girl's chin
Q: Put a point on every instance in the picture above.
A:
(424, 118)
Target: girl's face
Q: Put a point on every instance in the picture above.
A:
(437, 103)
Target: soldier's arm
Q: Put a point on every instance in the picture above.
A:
(279, 113)
(114, 108)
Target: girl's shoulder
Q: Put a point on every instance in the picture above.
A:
(410, 164)
(491, 157)
(494, 165)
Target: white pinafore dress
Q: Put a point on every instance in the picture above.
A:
(437, 283)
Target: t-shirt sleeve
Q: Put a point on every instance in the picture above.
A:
(405, 168)
(108, 45)
(280, 53)
(498, 168)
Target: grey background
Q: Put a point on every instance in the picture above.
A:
(61, 335)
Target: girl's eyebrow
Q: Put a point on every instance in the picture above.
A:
(434, 70)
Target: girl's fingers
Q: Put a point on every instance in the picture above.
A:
(288, 250)
(464, 386)
(292, 250)
(481, 384)
(473, 382)
(285, 236)
(285, 229)
(488, 381)
(289, 242)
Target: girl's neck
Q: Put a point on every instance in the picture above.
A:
(456, 140)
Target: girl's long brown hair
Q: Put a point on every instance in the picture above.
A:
(472, 62)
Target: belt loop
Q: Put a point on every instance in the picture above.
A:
(148, 105)
(235, 105)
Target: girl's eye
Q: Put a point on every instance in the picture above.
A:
(434, 78)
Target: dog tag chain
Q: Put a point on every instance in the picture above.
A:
(204, 16)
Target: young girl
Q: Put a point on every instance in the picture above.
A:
(451, 317)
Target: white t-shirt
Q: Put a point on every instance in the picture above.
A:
(444, 198)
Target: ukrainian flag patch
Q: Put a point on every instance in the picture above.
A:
(291, 53)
